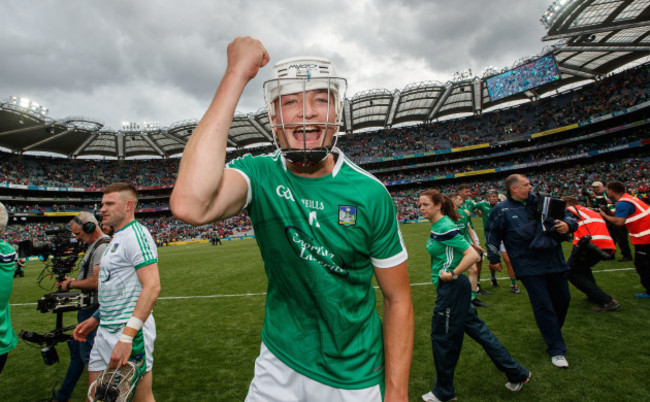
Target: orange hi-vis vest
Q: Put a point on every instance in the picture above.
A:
(638, 224)
(591, 223)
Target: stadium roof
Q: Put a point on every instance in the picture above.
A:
(591, 38)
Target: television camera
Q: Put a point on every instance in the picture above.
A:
(587, 248)
(598, 202)
(64, 249)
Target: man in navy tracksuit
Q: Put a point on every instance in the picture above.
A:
(536, 256)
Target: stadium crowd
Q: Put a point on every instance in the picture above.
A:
(614, 93)
(85, 173)
(164, 229)
(572, 180)
(453, 166)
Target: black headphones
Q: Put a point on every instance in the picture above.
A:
(87, 227)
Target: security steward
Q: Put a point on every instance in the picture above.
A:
(591, 243)
(635, 215)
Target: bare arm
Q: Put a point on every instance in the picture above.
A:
(614, 220)
(83, 284)
(472, 237)
(204, 192)
(84, 328)
(398, 330)
(496, 267)
(150, 280)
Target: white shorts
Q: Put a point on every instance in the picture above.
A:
(105, 341)
(502, 248)
(481, 255)
(475, 236)
(275, 381)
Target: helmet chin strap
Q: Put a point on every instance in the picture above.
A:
(306, 157)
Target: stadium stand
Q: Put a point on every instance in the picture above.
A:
(43, 191)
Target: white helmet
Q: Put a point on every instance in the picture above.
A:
(299, 75)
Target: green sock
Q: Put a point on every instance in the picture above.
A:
(473, 294)
(493, 275)
(513, 282)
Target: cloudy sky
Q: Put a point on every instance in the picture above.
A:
(126, 60)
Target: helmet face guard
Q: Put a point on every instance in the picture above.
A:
(117, 385)
(298, 76)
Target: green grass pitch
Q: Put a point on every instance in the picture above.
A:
(210, 312)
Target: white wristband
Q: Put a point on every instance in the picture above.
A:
(135, 323)
(125, 338)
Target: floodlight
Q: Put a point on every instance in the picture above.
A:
(130, 126)
(151, 125)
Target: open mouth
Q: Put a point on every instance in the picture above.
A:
(311, 135)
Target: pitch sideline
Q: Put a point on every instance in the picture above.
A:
(264, 293)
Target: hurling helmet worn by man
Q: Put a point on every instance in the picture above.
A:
(299, 75)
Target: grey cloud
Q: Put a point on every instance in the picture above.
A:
(176, 51)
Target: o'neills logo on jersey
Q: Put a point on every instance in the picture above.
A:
(307, 248)
(313, 204)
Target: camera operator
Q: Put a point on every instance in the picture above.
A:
(598, 195)
(591, 244)
(20, 268)
(619, 233)
(8, 338)
(635, 215)
(536, 256)
(85, 229)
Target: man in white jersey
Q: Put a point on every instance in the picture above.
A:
(324, 227)
(129, 285)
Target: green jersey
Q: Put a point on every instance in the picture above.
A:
(446, 246)
(320, 239)
(8, 339)
(469, 205)
(485, 209)
(463, 224)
